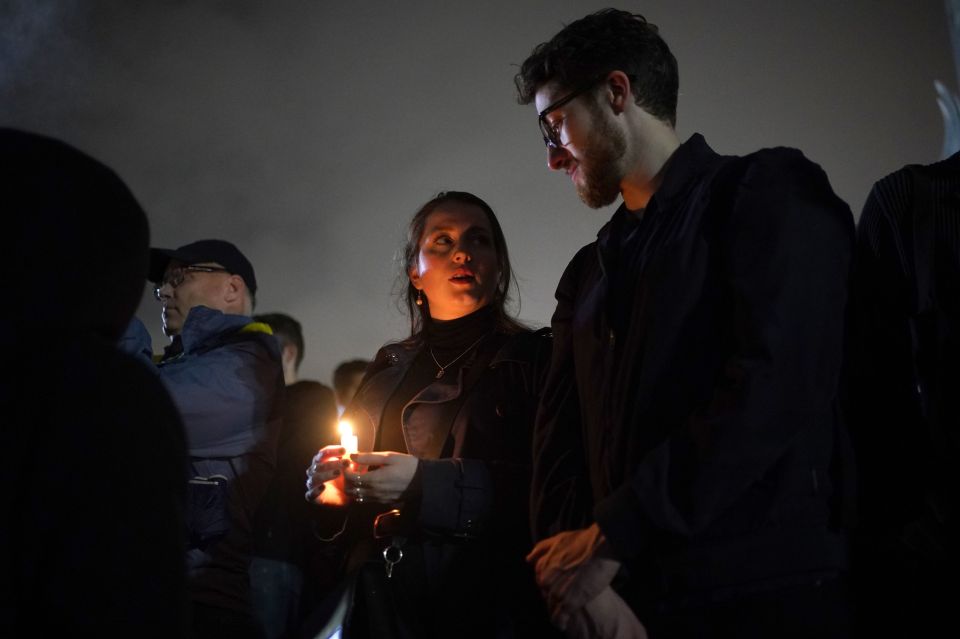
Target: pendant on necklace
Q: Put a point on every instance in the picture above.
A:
(439, 374)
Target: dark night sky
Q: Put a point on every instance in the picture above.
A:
(309, 131)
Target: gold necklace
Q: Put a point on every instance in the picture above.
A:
(448, 364)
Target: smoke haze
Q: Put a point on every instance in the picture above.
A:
(308, 132)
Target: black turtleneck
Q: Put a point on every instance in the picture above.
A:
(451, 343)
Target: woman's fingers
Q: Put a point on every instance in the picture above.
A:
(387, 476)
(354, 479)
(372, 459)
(330, 452)
(325, 462)
(323, 471)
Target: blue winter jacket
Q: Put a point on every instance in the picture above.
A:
(225, 377)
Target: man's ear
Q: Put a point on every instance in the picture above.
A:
(288, 355)
(233, 289)
(618, 91)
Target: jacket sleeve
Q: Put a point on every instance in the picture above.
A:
(560, 496)
(468, 497)
(785, 250)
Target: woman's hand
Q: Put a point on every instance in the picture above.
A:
(383, 484)
(325, 467)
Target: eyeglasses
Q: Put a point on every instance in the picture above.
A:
(174, 277)
(551, 134)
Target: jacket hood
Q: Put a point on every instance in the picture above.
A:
(80, 246)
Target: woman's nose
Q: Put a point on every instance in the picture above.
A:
(461, 255)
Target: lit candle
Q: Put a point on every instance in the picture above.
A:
(347, 439)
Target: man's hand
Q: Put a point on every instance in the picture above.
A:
(385, 483)
(572, 568)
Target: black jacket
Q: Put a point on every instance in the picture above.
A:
(902, 339)
(463, 571)
(690, 406)
(903, 372)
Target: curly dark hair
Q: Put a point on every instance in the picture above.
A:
(605, 41)
(418, 314)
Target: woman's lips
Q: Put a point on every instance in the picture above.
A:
(463, 276)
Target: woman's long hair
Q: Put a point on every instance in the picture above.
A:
(419, 315)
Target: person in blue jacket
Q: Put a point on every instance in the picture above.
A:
(224, 373)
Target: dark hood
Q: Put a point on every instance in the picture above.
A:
(78, 255)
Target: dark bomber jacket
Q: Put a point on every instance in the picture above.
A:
(690, 405)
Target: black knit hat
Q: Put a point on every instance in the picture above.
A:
(219, 251)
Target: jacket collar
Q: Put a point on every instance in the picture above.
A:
(204, 326)
(684, 167)
(402, 354)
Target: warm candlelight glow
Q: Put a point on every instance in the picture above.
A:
(347, 439)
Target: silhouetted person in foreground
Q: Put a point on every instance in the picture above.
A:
(93, 487)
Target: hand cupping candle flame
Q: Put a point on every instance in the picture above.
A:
(325, 476)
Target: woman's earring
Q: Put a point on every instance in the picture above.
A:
(419, 298)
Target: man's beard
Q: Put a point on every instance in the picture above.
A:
(601, 175)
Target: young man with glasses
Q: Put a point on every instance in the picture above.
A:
(687, 447)
(223, 372)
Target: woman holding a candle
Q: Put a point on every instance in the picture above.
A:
(436, 519)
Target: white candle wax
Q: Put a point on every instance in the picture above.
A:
(347, 439)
